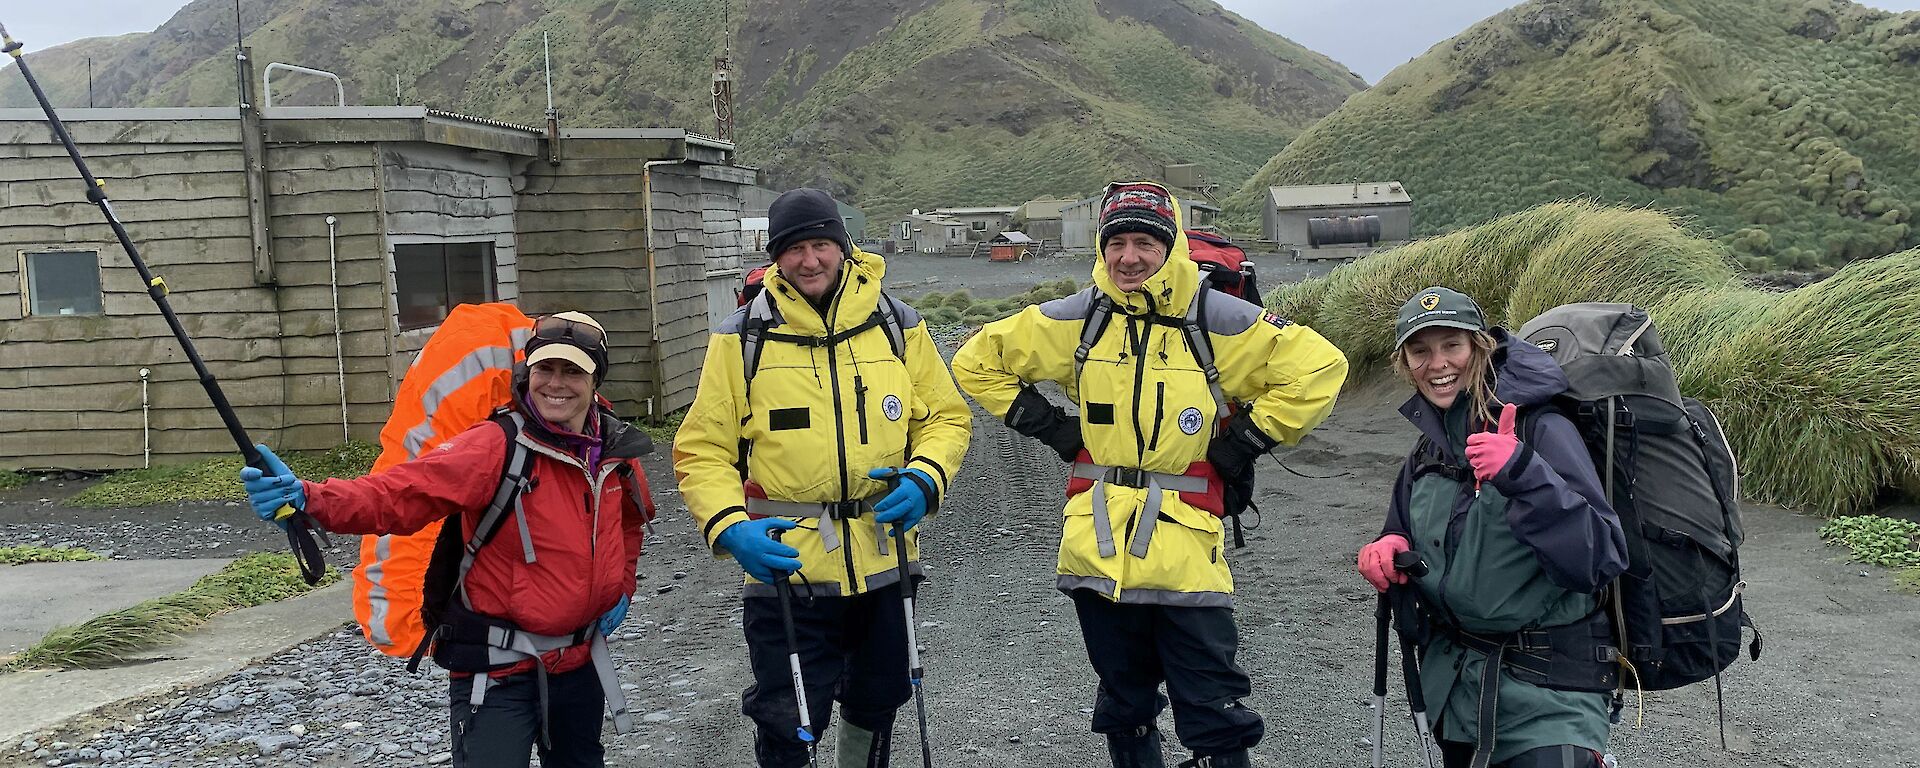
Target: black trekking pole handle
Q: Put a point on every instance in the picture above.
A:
(301, 529)
(805, 730)
(915, 672)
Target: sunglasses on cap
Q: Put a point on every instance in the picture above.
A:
(556, 328)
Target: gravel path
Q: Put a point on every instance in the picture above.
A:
(1008, 683)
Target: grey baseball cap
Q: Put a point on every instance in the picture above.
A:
(1437, 306)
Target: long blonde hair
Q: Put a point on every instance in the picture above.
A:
(1479, 375)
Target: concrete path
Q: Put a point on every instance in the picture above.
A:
(37, 597)
(33, 700)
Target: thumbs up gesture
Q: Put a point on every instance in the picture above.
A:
(1489, 452)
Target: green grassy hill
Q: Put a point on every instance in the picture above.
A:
(895, 104)
(1786, 129)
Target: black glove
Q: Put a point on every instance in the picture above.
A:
(1032, 415)
(1238, 445)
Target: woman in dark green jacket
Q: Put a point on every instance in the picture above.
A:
(1518, 539)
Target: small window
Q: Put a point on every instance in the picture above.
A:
(979, 226)
(429, 279)
(63, 283)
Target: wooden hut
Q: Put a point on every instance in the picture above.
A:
(311, 251)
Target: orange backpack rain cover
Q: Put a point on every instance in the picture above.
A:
(463, 373)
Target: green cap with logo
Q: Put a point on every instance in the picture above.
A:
(1438, 306)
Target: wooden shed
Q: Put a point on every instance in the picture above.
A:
(311, 251)
(1009, 246)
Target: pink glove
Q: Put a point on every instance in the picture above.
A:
(1376, 561)
(1489, 452)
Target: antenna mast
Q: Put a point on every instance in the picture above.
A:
(723, 79)
(553, 115)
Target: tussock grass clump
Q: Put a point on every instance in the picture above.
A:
(1818, 388)
(960, 308)
(10, 479)
(111, 638)
(30, 553)
(1516, 267)
(217, 479)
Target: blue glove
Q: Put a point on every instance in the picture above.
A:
(906, 504)
(759, 554)
(613, 617)
(275, 488)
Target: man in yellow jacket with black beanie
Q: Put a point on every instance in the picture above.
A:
(825, 414)
(1153, 361)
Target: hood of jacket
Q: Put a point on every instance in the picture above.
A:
(854, 298)
(1523, 375)
(1167, 291)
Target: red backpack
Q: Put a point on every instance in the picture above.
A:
(755, 282)
(1223, 264)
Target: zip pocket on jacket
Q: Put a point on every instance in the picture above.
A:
(1159, 413)
(860, 405)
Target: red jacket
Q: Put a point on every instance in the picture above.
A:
(584, 553)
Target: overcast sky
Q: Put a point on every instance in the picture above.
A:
(1369, 36)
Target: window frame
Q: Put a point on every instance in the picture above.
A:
(490, 271)
(27, 283)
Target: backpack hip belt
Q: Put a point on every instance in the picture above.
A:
(1568, 657)
(830, 513)
(1132, 477)
(509, 646)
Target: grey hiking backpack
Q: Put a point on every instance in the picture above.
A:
(1673, 479)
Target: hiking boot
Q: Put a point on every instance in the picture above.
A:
(861, 748)
(1235, 759)
(1139, 748)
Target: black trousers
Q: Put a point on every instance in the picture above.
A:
(505, 731)
(852, 650)
(1135, 648)
(1460, 755)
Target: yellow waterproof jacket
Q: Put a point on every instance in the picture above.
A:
(1145, 403)
(815, 420)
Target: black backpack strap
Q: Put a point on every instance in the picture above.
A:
(632, 485)
(1194, 330)
(515, 478)
(761, 315)
(1090, 330)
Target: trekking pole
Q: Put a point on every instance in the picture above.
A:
(300, 528)
(915, 672)
(1382, 615)
(1411, 564)
(805, 731)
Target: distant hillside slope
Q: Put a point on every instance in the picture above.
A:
(1786, 128)
(897, 103)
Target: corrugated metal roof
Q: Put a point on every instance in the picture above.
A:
(1011, 236)
(1007, 209)
(1336, 195)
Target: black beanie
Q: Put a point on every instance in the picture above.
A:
(804, 214)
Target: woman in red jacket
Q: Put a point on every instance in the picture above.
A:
(558, 576)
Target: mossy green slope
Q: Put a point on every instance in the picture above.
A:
(896, 105)
(1782, 128)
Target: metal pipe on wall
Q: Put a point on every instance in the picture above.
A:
(339, 344)
(657, 403)
(146, 421)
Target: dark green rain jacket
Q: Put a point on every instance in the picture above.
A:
(1530, 551)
